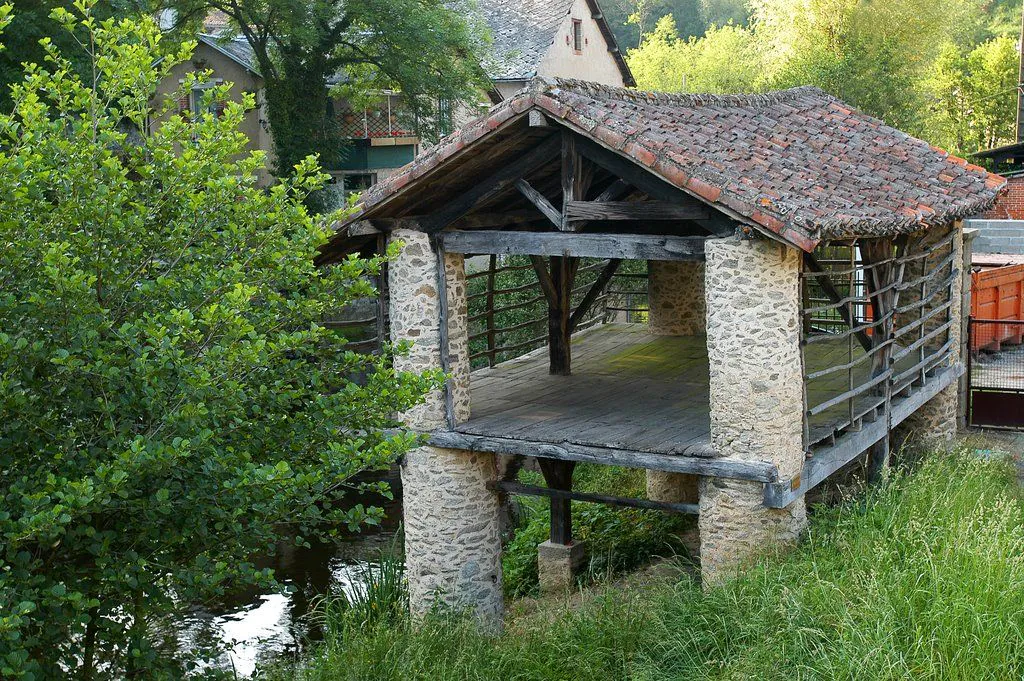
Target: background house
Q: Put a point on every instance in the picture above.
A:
(563, 38)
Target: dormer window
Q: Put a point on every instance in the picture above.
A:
(577, 36)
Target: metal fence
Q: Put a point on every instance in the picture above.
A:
(995, 373)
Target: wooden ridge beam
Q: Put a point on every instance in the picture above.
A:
(573, 244)
(633, 210)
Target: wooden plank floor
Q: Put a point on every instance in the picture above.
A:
(629, 390)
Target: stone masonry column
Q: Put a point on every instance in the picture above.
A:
(753, 330)
(452, 540)
(937, 419)
(675, 295)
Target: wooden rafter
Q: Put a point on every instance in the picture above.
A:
(541, 202)
(493, 185)
(632, 210)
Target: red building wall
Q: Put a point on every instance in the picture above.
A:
(1010, 204)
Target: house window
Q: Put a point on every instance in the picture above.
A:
(577, 35)
(197, 102)
(346, 184)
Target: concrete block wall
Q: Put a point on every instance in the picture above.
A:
(998, 236)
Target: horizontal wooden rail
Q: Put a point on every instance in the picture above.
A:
(609, 500)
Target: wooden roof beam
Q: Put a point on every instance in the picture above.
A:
(574, 244)
(495, 184)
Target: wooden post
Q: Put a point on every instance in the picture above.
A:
(562, 271)
(491, 340)
(558, 475)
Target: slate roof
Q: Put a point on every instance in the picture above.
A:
(524, 30)
(798, 163)
(237, 49)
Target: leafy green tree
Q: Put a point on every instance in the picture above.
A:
(430, 50)
(171, 405)
(32, 23)
(974, 103)
(726, 59)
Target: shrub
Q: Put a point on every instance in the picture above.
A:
(171, 405)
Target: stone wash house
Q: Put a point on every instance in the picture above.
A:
(566, 38)
(805, 264)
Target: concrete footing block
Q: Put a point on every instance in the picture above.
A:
(558, 565)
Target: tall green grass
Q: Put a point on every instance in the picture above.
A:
(921, 579)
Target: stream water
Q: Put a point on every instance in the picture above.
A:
(256, 628)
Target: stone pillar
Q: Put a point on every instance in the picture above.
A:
(558, 565)
(675, 295)
(452, 539)
(937, 419)
(753, 330)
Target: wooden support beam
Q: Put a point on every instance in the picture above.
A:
(614, 246)
(518, 218)
(442, 300)
(544, 278)
(592, 294)
(558, 476)
(632, 210)
(845, 311)
(577, 174)
(702, 461)
(541, 202)
(493, 185)
(563, 274)
(509, 487)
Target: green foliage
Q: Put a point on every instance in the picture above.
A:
(933, 69)
(379, 597)
(724, 60)
(32, 23)
(428, 49)
(974, 104)
(617, 539)
(171, 405)
(922, 579)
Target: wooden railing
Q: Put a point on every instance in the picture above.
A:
(877, 320)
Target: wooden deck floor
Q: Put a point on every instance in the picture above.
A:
(629, 390)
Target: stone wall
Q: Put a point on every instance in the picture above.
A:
(451, 518)
(675, 291)
(753, 329)
(675, 294)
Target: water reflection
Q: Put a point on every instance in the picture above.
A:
(254, 629)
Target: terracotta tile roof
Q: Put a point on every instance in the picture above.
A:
(799, 163)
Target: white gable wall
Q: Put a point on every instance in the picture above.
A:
(594, 63)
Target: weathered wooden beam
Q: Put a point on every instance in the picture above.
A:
(615, 191)
(650, 184)
(518, 488)
(577, 175)
(541, 202)
(706, 464)
(525, 218)
(632, 210)
(563, 274)
(558, 476)
(493, 185)
(592, 294)
(544, 279)
(827, 460)
(613, 246)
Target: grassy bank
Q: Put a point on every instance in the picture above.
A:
(922, 579)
